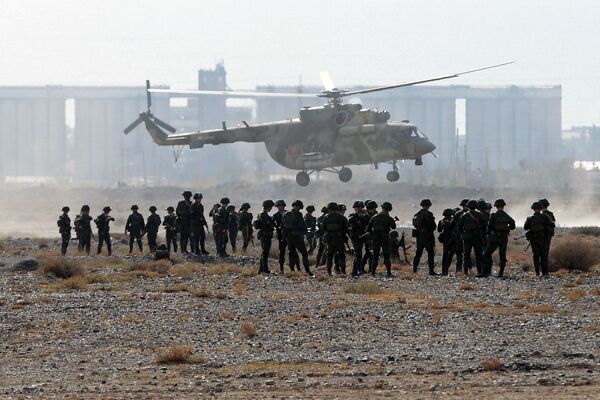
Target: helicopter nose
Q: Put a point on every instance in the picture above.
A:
(424, 147)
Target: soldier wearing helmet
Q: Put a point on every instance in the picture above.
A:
(135, 226)
(245, 225)
(265, 227)
(197, 223)
(64, 228)
(152, 225)
(83, 223)
(379, 228)
(103, 224)
(232, 227)
(457, 234)
(357, 222)
(321, 246)
(498, 228)
(447, 238)
(335, 226)
(311, 227)
(220, 227)
(170, 224)
(278, 222)
(545, 204)
(538, 227)
(183, 219)
(485, 208)
(472, 229)
(294, 229)
(424, 223)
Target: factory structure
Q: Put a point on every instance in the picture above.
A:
(74, 134)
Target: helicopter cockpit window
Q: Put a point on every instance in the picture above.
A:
(413, 133)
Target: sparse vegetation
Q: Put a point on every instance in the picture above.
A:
(74, 282)
(202, 292)
(60, 267)
(248, 330)
(466, 286)
(540, 309)
(575, 294)
(574, 252)
(181, 287)
(178, 354)
(491, 364)
(363, 288)
(587, 230)
(161, 266)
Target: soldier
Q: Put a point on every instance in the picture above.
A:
(277, 221)
(232, 227)
(295, 230)
(471, 227)
(135, 226)
(447, 238)
(196, 223)
(371, 207)
(311, 226)
(85, 229)
(64, 228)
(499, 226)
(170, 224)
(265, 227)
(538, 227)
(457, 234)
(103, 224)
(221, 227)
(335, 227)
(152, 225)
(545, 204)
(424, 223)
(245, 225)
(183, 219)
(485, 208)
(319, 237)
(379, 228)
(357, 224)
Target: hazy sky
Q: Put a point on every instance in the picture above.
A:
(274, 41)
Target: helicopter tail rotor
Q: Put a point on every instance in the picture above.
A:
(148, 116)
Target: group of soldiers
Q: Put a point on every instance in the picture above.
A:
(470, 228)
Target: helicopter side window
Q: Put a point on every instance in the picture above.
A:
(412, 133)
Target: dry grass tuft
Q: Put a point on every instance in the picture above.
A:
(42, 244)
(575, 294)
(587, 230)
(540, 309)
(178, 354)
(184, 271)
(202, 292)
(295, 275)
(574, 252)
(322, 277)
(248, 330)
(466, 286)
(98, 278)
(363, 288)
(74, 282)
(60, 267)
(304, 315)
(219, 269)
(491, 364)
(160, 266)
(181, 287)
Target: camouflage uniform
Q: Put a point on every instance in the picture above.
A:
(183, 220)
(294, 229)
(335, 227)
(245, 225)
(448, 239)
(84, 222)
(278, 222)
(545, 204)
(152, 225)
(499, 226)
(379, 228)
(196, 223)
(221, 227)
(319, 237)
(311, 227)
(424, 223)
(472, 229)
(103, 223)
(135, 226)
(232, 228)
(457, 234)
(538, 227)
(170, 224)
(265, 227)
(64, 228)
(358, 222)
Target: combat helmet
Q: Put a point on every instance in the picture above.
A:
(425, 203)
(197, 196)
(152, 209)
(472, 204)
(544, 202)
(324, 210)
(463, 202)
(481, 204)
(280, 203)
(358, 204)
(371, 205)
(66, 209)
(394, 234)
(448, 212)
(500, 203)
(386, 205)
(487, 206)
(224, 200)
(332, 206)
(85, 207)
(310, 208)
(268, 204)
(245, 206)
(170, 208)
(187, 194)
(342, 207)
(298, 203)
(134, 207)
(230, 208)
(107, 209)
(536, 206)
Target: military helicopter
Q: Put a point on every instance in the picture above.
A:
(326, 138)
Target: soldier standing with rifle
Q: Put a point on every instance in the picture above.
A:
(232, 227)
(103, 224)
(371, 207)
(294, 229)
(358, 222)
(311, 226)
(447, 238)
(471, 227)
(545, 204)
(245, 225)
(319, 237)
(424, 223)
(265, 227)
(335, 226)
(64, 228)
(221, 226)
(135, 226)
(278, 222)
(196, 223)
(152, 225)
(84, 222)
(170, 224)
(379, 229)
(457, 234)
(499, 226)
(183, 219)
(538, 227)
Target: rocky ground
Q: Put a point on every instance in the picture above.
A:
(128, 327)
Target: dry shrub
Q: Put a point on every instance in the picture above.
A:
(160, 266)
(363, 288)
(181, 287)
(466, 286)
(295, 275)
(218, 269)
(202, 292)
(575, 294)
(587, 230)
(74, 282)
(249, 272)
(185, 271)
(322, 277)
(540, 309)
(297, 317)
(178, 354)
(228, 315)
(98, 278)
(248, 330)
(60, 267)
(42, 244)
(220, 295)
(574, 252)
(491, 364)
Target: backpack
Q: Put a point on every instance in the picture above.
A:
(470, 223)
(418, 220)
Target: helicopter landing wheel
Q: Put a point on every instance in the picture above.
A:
(345, 174)
(393, 176)
(419, 161)
(302, 178)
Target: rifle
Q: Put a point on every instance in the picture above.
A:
(521, 236)
(527, 248)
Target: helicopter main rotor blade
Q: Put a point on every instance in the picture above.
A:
(399, 85)
(134, 124)
(230, 93)
(148, 97)
(164, 125)
(327, 81)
